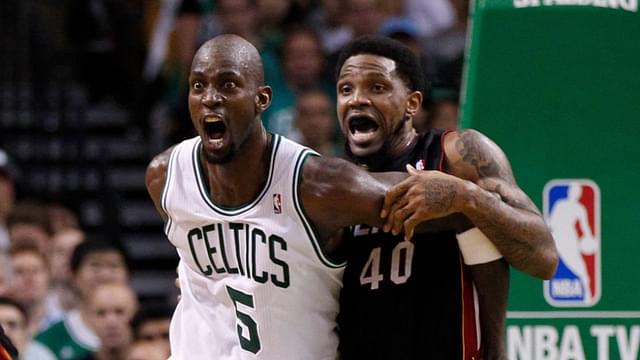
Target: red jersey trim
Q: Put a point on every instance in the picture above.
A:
(470, 348)
(442, 152)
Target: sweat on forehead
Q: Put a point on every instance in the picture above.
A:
(231, 49)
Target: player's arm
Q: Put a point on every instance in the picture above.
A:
(155, 177)
(492, 286)
(336, 193)
(479, 183)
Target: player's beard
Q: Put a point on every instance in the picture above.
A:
(373, 162)
(220, 159)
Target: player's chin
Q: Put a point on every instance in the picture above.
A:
(219, 155)
(363, 150)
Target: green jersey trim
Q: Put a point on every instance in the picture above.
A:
(308, 227)
(231, 211)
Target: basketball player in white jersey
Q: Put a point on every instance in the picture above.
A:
(255, 219)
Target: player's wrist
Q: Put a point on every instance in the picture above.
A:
(466, 200)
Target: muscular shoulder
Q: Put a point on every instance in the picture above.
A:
(156, 174)
(473, 156)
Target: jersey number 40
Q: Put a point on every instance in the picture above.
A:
(400, 271)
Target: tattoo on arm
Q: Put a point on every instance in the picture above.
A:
(474, 152)
(439, 195)
(510, 219)
(493, 170)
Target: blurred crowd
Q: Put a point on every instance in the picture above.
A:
(64, 295)
(67, 295)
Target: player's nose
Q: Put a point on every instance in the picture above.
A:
(211, 98)
(358, 98)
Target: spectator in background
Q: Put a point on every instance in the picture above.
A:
(144, 350)
(14, 320)
(93, 262)
(7, 350)
(240, 17)
(31, 287)
(62, 218)
(29, 224)
(362, 17)
(329, 20)
(151, 324)
(303, 64)
(316, 124)
(431, 17)
(447, 52)
(63, 242)
(6, 273)
(365, 16)
(7, 196)
(110, 308)
(274, 16)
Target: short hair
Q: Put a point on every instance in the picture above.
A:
(18, 249)
(31, 212)
(11, 302)
(407, 63)
(96, 245)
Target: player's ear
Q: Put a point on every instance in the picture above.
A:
(414, 101)
(263, 98)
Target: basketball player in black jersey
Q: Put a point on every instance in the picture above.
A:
(411, 297)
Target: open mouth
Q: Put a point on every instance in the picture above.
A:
(214, 127)
(361, 124)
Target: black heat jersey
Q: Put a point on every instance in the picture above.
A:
(407, 299)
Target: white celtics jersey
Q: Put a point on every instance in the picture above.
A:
(254, 282)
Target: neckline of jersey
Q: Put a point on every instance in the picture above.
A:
(221, 209)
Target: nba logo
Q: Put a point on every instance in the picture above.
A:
(572, 212)
(277, 203)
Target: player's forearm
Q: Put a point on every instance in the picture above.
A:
(492, 285)
(519, 234)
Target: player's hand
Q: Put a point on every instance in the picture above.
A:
(424, 195)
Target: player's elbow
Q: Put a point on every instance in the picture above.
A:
(548, 263)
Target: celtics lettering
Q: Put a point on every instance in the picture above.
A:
(237, 253)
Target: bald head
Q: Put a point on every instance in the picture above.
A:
(232, 49)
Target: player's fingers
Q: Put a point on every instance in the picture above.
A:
(392, 195)
(393, 213)
(411, 170)
(401, 215)
(410, 226)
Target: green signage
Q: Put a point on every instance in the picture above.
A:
(557, 85)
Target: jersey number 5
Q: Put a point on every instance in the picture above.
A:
(252, 342)
(401, 254)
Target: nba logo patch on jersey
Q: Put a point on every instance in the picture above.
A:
(277, 203)
(420, 164)
(572, 212)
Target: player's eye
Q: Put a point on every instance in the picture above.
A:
(229, 85)
(345, 89)
(378, 88)
(197, 85)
